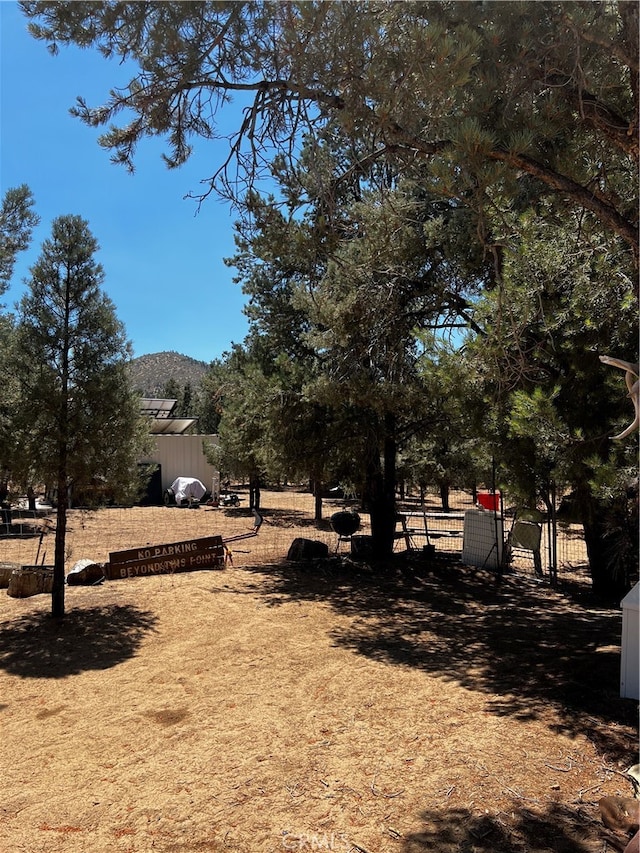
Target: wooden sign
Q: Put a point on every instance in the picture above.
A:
(189, 556)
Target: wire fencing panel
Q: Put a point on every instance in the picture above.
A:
(28, 538)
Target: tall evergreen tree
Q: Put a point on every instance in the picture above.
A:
(526, 98)
(499, 108)
(17, 220)
(339, 308)
(79, 418)
(562, 302)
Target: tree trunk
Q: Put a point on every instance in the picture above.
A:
(381, 492)
(610, 535)
(254, 492)
(317, 500)
(57, 590)
(444, 496)
(604, 585)
(610, 571)
(389, 481)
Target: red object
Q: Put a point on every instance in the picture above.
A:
(489, 500)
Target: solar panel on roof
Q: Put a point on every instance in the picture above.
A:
(159, 412)
(157, 408)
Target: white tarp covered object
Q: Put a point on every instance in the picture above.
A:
(187, 488)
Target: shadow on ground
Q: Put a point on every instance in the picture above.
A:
(292, 518)
(273, 517)
(38, 646)
(531, 649)
(557, 828)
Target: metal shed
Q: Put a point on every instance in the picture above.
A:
(178, 455)
(184, 456)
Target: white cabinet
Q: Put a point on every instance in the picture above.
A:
(629, 662)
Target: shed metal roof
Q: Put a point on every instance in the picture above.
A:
(170, 426)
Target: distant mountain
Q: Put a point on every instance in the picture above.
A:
(150, 373)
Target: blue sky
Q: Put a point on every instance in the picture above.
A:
(163, 260)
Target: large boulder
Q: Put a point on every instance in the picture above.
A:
(307, 549)
(85, 573)
(6, 570)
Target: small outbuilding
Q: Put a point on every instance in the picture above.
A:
(176, 453)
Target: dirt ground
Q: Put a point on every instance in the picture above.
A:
(269, 706)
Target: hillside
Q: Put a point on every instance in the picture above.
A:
(150, 373)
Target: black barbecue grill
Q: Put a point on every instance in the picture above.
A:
(344, 524)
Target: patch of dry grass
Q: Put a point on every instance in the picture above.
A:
(274, 706)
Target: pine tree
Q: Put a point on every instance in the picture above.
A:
(79, 418)
(17, 220)
(551, 404)
(528, 99)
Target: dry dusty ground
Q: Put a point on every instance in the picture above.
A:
(272, 706)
